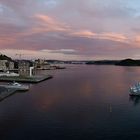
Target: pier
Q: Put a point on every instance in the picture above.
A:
(27, 79)
(6, 92)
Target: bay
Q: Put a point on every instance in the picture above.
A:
(80, 102)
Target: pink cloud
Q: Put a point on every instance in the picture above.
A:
(137, 39)
(113, 37)
(48, 23)
(105, 36)
(84, 33)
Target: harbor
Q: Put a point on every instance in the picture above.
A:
(13, 73)
(53, 107)
(7, 90)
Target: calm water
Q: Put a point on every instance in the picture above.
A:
(79, 103)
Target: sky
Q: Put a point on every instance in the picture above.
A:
(70, 29)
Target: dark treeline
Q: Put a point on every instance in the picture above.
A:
(125, 62)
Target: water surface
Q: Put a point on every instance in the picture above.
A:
(79, 103)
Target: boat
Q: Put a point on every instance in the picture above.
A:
(16, 86)
(135, 90)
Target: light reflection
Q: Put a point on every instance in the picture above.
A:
(135, 100)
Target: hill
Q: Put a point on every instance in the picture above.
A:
(103, 62)
(129, 62)
(4, 57)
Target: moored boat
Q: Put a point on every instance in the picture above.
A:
(16, 86)
(135, 90)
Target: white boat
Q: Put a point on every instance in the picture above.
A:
(135, 90)
(16, 86)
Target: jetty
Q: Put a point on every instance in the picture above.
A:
(4, 92)
(8, 90)
(26, 79)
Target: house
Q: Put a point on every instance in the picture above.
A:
(6, 65)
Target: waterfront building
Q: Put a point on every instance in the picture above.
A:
(6, 65)
(10, 65)
(3, 65)
(26, 68)
(42, 64)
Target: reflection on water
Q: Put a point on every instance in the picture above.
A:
(135, 99)
(80, 102)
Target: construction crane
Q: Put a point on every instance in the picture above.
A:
(20, 55)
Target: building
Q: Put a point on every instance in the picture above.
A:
(26, 68)
(42, 64)
(3, 65)
(10, 65)
(6, 65)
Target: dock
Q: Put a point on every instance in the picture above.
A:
(6, 92)
(27, 79)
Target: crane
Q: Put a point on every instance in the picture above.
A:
(20, 55)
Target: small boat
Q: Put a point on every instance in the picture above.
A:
(16, 86)
(135, 90)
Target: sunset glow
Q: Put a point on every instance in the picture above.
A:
(66, 30)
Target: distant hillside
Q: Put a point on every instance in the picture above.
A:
(125, 62)
(103, 62)
(129, 62)
(4, 57)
